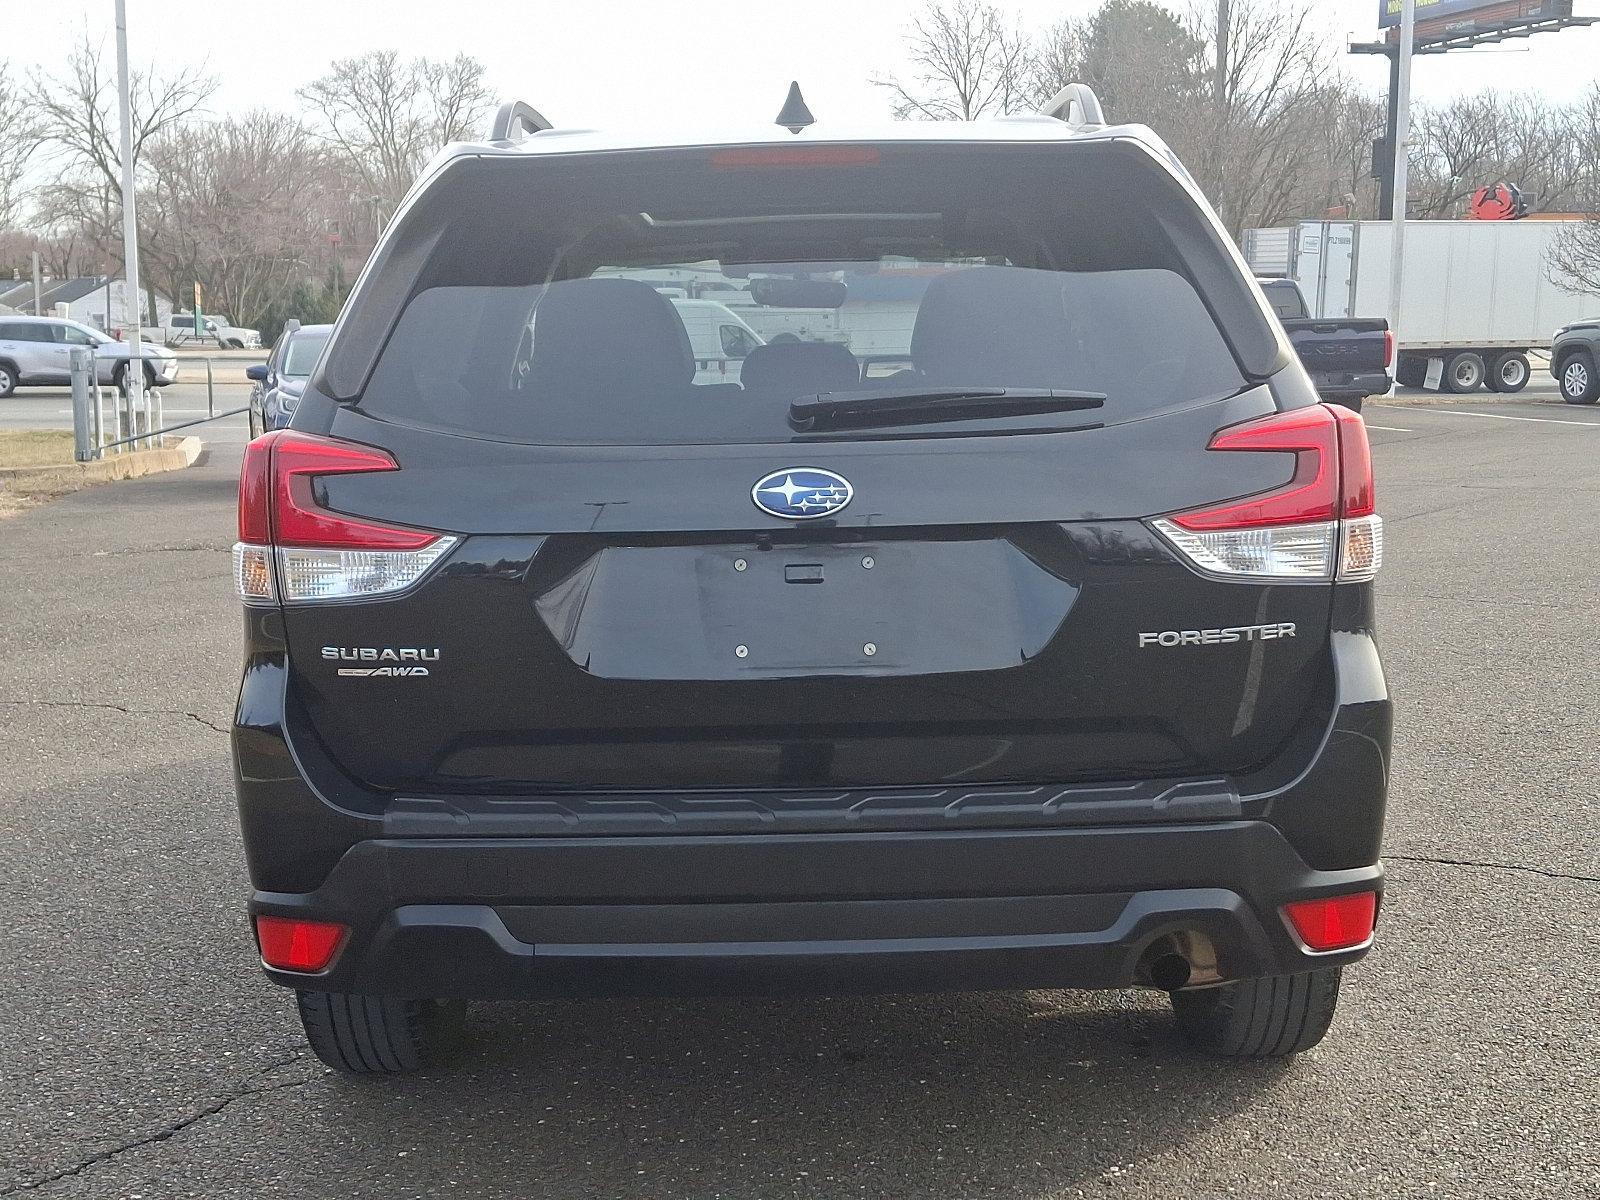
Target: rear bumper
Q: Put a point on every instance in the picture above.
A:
(506, 918)
(1348, 386)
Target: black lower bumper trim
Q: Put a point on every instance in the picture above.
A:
(516, 918)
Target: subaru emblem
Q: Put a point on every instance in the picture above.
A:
(801, 493)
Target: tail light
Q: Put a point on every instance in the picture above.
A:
(1334, 923)
(1388, 347)
(292, 548)
(292, 944)
(1320, 525)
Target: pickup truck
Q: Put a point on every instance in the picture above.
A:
(180, 330)
(1348, 358)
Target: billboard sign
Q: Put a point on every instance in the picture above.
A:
(1432, 13)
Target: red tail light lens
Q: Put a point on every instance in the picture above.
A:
(1388, 348)
(297, 459)
(1358, 493)
(1319, 525)
(1311, 495)
(1334, 922)
(290, 944)
(293, 547)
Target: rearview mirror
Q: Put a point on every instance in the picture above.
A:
(257, 373)
(798, 293)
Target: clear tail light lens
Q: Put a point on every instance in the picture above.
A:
(1319, 526)
(293, 550)
(309, 574)
(252, 571)
(1275, 551)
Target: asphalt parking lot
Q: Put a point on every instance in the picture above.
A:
(145, 1056)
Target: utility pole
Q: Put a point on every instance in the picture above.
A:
(133, 377)
(1402, 134)
(38, 289)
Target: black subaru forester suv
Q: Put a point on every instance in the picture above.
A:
(1000, 616)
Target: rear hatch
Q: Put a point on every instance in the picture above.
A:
(916, 550)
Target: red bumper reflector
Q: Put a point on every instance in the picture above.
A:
(1334, 922)
(294, 945)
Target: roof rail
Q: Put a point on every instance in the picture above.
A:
(515, 121)
(1077, 105)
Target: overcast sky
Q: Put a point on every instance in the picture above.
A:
(639, 62)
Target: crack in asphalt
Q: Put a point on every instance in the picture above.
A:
(169, 1131)
(1489, 866)
(108, 706)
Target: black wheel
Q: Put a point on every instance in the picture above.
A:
(233, 344)
(1464, 372)
(119, 377)
(373, 1035)
(1509, 372)
(1353, 403)
(8, 380)
(1580, 384)
(1259, 1018)
(1411, 371)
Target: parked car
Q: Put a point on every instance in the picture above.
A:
(279, 381)
(1574, 352)
(1045, 661)
(1348, 358)
(180, 330)
(37, 352)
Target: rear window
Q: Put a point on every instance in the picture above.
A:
(691, 303)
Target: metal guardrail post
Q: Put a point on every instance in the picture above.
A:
(211, 391)
(83, 380)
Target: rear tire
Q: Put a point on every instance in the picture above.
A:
(1353, 403)
(1411, 371)
(233, 344)
(1464, 372)
(1259, 1018)
(371, 1035)
(1580, 384)
(1509, 373)
(8, 380)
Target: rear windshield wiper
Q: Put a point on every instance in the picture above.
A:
(870, 409)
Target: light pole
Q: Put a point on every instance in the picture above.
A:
(1402, 128)
(133, 376)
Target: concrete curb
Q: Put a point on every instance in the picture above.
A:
(176, 454)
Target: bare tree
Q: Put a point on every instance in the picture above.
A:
(80, 123)
(21, 133)
(78, 109)
(968, 60)
(385, 117)
(237, 206)
(1573, 259)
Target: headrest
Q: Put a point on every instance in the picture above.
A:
(792, 369)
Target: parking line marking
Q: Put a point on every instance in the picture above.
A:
(1389, 428)
(1452, 412)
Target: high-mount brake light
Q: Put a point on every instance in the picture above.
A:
(292, 548)
(794, 156)
(1320, 525)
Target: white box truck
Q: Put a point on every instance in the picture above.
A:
(1478, 294)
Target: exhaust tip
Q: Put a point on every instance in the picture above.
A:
(1170, 972)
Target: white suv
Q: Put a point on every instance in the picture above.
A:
(37, 352)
